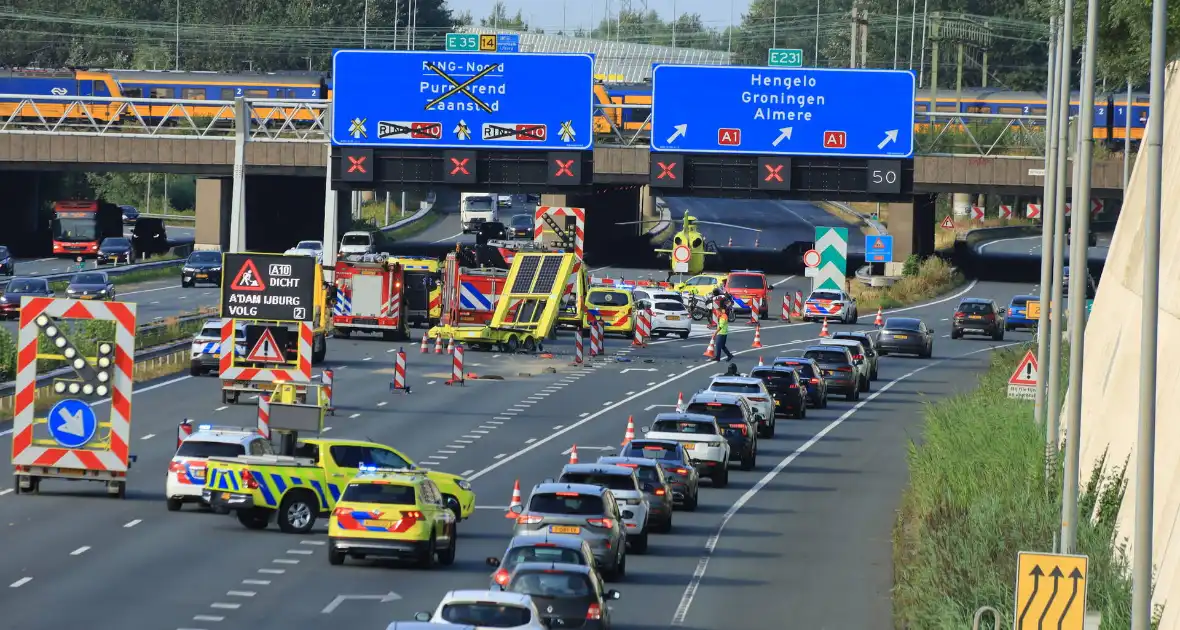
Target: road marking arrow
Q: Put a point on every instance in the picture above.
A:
(680, 131)
(890, 136)
(591, 448)
(784, 134)
(637, 370)
(340, 599)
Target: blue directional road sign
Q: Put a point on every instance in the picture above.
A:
(878, 248)
(782, 111)
(435, 99)
(72, 423)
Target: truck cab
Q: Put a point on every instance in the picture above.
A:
(476, 208)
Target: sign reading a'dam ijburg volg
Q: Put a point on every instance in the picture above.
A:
(268, 287)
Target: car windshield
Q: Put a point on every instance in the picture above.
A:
(646, 474)
(826, 295)
(567, 503)
(804, 369)
(745, 281)
(204, 257)
(902, 324)
(826, 356)
(204, 449)
(90, 278)
(522, 220)
(479, 203)
(116, 242)
(667, 452)
(384, 493)
(734, 388)
(355, 239)
(550, 584)
(308, 245)
(486, 614)
(975, 308)
(27, 286)
(541, 554)
(679, 426)
(672, 307)
(721, 411)
(610, 482)
(211, 331)
(607, 298)
(1020, 301)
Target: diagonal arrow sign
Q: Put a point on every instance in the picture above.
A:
(1074, 575)
(340, 599)
(831, 238)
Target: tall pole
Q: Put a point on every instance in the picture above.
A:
(1078, 283)
(913, 29)
(1145, 444)
(922, 52)
(1047, 214)
(817, 33)
(673, 23)
(852, 38)
(1053, 389)
(177, 55)
(396, 16)
(729, 46)
(365, 27)
(896, 30)
(1127, 143)
(774, 26)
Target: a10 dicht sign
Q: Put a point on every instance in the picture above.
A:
(268, 287)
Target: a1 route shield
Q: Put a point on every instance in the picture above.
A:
(438, 99)
(783, 111)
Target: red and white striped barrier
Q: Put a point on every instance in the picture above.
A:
(601, 337)
(327, 378)
(786, 316)
(798, 304)
(595, 336)
(577, 347)
(755, 310)
(399, 372)
(642, 328)
(456, 366)
(264, 416)
(183, 430)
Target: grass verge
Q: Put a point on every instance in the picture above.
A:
(977, 495)
(131, 277)
(921, 281)
(373, 216)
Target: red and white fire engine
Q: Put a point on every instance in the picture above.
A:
(369, 295)
(470, 295)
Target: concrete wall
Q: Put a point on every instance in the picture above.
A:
(1110, 382)
(279, 211)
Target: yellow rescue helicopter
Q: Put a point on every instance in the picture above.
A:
(691, 238)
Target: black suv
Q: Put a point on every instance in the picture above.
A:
(790, 396)
(811, 376)
(978, 316)
(734, 417)
(838, 369)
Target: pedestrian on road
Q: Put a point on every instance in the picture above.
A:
(722, 334)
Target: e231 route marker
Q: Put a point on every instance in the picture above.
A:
(782, 111)
(463, 100)
(1050, 591)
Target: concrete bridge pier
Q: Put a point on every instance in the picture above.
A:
(280, 211)
(606, 207)
(912, 226)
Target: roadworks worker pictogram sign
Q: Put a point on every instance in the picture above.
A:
(948, 223)
(1051, 591)
(267, 349)
(1023, 383)
(248, 278)
(269, 287)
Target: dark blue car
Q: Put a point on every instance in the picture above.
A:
(1018, 313)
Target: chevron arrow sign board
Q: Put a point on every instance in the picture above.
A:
(832, 245)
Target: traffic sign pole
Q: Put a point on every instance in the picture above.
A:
(1047, 216)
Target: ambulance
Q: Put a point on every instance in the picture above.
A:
(369, 291)
(422, 297)
(613, 303)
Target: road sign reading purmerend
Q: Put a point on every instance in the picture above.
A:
(436, 99)
(1051, 591)
(268, 286)
(832, 245)
(782, 111)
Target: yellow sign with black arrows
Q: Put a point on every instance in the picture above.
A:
(1050, 591)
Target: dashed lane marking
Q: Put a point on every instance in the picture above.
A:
(326, 429)
(312, 543)
(454, 446)
(488, 426)
(133, 523)
(431, 382)
(558, 427)
(382, 403)
(5, 491)
(450, 452)
(464, 442)
(223, 408)
(240, 593)
(528, 441)
(502, 417)
(502, 456)
(256, 582)
(225, 606)
(436, 456)
(284, 561)
(148, 436)
(479, 432)
(80, 550)
(21, 582)
(583, 414)
(300, 552)
(208, 618)
(466, 472)
(272, 571)
(355, 415)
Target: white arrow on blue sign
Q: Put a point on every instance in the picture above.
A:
(72, 423)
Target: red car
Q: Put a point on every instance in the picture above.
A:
(748, 287)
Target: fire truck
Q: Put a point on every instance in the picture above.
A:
(423, 289)
(476, 293)
(369, 297)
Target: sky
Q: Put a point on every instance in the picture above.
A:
(547, 14)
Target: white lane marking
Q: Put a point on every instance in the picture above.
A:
(133, 523)
(511, 412)
(782, 281)
(240, 593)
(583, 414)
(272, 571)
(489, 426)
(225, 606)
(436, 456)
(502, 417)
(495, 423)
(558, 427)
(5, 491)
(21, 582)
(608, 403)
(1005, 240)
(382, 403)
(539, 396)
(448, 238)
(502, 456)
(470, 437)
(222, 408)
(367, 359)
(355, 415)
(454, 446)
(466, 472)
(80, 550)
(479, 432)
(711, 544)
(256, 582)
(391, 350)
(450, 452)
(148, 436)
(464, 442)
(530, 440)
(651, 383)
(208, 618)
(326, 429)
(431, 382)
(312, 543)
(284, 561)
(300, 552)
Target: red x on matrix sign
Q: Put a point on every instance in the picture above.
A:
(666, 170)
(356, 164)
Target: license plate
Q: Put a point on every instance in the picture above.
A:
(202, 275)
(225, 496)
(364, 320)
(378, 523)
(673, 318)
(901, 336)
(976, 317)
(689, 447)
(565, 529)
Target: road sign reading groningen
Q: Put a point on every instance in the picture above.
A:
(1051, 591)
(268, 286)
(832, 245)
(878, 248)
(783, 111)
(785, 58)
(466, 100)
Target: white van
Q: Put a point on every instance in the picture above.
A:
(354, 243)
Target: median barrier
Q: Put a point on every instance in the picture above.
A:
(114, 271)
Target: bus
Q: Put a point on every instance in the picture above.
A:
(79, 226)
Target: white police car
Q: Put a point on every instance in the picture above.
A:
(205, 353)
(186, 471)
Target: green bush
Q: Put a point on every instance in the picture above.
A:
(912, 265)
(978, 495)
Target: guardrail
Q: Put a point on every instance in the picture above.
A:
(169, 217)
(111, 271)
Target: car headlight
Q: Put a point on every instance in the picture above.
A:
(102, 291)
(69, 290)
(189, 270)
(716, 444)
(215, 270)
(463, 483)
(3, 300)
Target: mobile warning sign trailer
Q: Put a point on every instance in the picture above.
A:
(78, 438)
(276, 305)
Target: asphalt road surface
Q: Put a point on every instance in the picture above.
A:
(450, 228)
(44, 266)
(1030, 246)
(160, 298)
(781, 222)
(805, 536)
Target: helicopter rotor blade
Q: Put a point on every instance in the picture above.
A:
(638, 222)
(729, 225)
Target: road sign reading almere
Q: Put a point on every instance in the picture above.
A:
(437, 99)
(782, 111)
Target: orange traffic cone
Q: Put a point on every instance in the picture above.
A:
(424, 348)
(878, 321)
(438, 344)
(710, 352)
(680, 402)
(757, 337)
(630, 434)
(451, 345)
(574, 454)
(516, 500)
(823, 332)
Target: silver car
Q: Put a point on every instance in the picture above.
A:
(578, 509)
(859, 359)
(548, 548)
(623, 483)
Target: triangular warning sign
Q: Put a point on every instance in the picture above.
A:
(878, 244)
(266, 350)
(248, 278)
(948, 223)
(1026, 372)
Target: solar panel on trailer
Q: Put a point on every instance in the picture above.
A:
(525, 273)
(548, 276)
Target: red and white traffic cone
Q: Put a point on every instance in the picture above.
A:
(823, 332)
(516, 500)
(730, 242)
(424, 348)
(879, 321)
(786, 316)
(574, 454)
(757, 337)
(328, 377)
(713, 319)
(438, 344)
(450, 345)
(760, 363)
(710, 352)
(680, 402)
(185, 429)
(399, 373)
(630, 434)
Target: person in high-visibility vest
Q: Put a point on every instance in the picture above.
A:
(722, 334)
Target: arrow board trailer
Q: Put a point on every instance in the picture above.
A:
(369, 299)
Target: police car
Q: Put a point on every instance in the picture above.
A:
(833, 304)
(205, 354)
(186, 472)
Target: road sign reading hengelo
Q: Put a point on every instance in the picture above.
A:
(1051, 591)
(268, 286)
(783, 111)
(462, 100)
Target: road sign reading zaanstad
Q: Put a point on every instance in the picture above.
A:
(268, 286)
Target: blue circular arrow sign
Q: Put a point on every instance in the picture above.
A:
(72, 423)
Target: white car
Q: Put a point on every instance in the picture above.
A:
(356, 243)
(504, 201)
(624, 485)
(484, 609)
(669, 316)
(832, 305)
(315, 249)
(205, 352)
(754, 390)
(856, 350)
(702, 438)
(186, 471)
